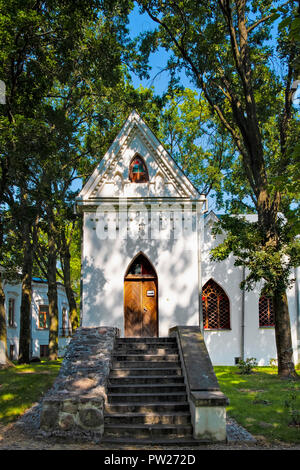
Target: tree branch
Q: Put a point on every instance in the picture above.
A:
(265, 18)
(257, 23)
(40, 262)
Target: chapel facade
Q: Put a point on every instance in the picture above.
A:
(146, 263)
(140, 264)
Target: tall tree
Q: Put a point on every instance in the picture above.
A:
(227, 47)
(50, 52)
(3, 330)
(9, 274)
(67, 237)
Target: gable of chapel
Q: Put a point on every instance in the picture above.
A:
(112, 178)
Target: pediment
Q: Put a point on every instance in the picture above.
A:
(210, 219)
(110, 178)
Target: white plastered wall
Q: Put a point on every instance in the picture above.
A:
(40, 336)
(223, 345)
(13, 332)
(104, 266)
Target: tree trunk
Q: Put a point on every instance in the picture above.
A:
(25, 310)
(73, 315)
(53, 316)
(3, 332)
(267, 215)
(52, 294)
(65, 255)
(284, 346)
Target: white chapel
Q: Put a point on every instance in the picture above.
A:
(145, 257)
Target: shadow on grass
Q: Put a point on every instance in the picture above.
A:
(262, 402)
(23, 385)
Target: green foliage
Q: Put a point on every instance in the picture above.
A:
(186, 129)
(11, 248)
(245, 239)
(67, 94)
(75, 251)
(273, 362)
(291, 405)
(246, 367)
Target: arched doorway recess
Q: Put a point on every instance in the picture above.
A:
(141, 299)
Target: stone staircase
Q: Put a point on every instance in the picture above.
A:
(146, 396)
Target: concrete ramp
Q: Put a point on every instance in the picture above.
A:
(207, 402)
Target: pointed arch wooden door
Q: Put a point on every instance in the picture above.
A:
(140, 299)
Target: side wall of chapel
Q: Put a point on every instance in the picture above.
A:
(225, 346)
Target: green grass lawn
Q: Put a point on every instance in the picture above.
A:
(23, 385)
(258, 402)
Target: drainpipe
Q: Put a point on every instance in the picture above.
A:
(297, 313)
(243, 319)
(200, 215)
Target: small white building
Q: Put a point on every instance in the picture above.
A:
(39, 318)
(145, 256)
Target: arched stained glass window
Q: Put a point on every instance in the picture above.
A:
(266, 311)
(216, 310)
(138, 172)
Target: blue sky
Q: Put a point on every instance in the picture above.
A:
(140, 23)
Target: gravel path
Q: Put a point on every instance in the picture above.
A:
(25, 434)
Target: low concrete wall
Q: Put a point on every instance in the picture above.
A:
(75, 403)
(207, 402)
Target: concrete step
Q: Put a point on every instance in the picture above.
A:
(146, 379)
(142, 407)
(146, 397)
(141, 364)
(180, 417)
(146, 388)
(146, 357)
(159, 351)
(162, 340)
(138, 347)
(158, 441)
(135, 371)
(142, 431)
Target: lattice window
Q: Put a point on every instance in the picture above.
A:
(138, 172)
(216, 310)
(266, 311)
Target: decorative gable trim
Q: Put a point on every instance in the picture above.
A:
(105, 171)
